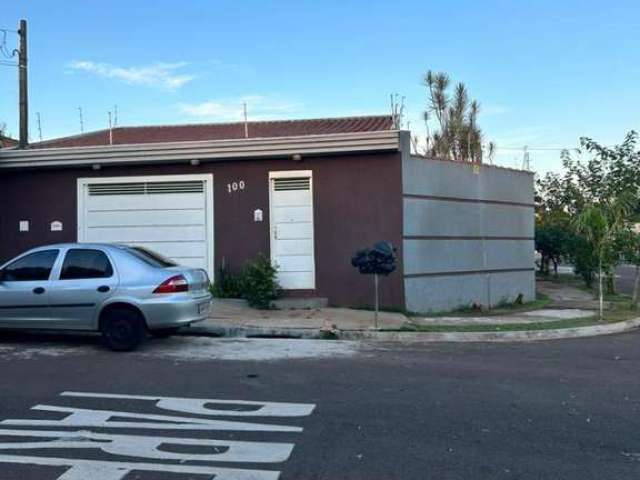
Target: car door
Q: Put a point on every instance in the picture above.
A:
(87, 279)
(24, 290)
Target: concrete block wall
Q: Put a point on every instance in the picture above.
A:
(467, 234)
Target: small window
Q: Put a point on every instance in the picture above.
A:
(31, 268)
(80, 264)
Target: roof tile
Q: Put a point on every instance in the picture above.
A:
(222, 131)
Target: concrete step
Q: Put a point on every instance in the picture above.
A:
(303, 303)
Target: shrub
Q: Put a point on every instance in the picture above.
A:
(227, 285)
(258, 282)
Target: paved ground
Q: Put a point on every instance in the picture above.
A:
(539, 316)
(625, 278)
(234, 313)
(230, 314)
(556, 410)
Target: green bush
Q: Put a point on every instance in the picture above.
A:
(259, 285)
(226, 285)
(256, 283)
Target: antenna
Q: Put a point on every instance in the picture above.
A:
(525, 158)
(110, 130)
(115, 115)
(246, 123)
(397, 109)
(81, 120)
(39, 125)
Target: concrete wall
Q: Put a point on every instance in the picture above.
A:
(467, 234)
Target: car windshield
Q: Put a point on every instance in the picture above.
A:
(150, 257)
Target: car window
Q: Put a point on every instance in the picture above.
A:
(151, 258)
(85, 263)
(30, 268)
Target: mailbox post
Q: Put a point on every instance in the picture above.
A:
(377, 260)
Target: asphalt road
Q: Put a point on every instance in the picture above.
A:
(552, 410)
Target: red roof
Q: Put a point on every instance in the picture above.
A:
(7, 142)
(222, 131)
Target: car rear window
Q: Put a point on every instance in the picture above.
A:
(151, 258)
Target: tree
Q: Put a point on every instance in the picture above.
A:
(459, 137)
(609, 173)
(552, 240)
(603, 225)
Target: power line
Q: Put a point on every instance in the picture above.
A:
(553, 149)
(4, 50)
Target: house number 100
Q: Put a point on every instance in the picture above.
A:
(235, 186)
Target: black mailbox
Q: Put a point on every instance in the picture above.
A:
(379, 259)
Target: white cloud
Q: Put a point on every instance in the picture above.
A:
(161, 75)
(495, 109)
(259, 107)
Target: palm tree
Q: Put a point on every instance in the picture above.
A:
(459, 137)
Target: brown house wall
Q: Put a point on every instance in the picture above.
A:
(357, 201)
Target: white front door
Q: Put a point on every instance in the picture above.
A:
(291, 215)
(172, 215)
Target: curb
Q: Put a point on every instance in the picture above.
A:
(417, 337)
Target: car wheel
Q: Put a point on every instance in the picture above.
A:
(163, 332)
(122, 329)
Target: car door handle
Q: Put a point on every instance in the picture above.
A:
(38, 290)
(103, 288)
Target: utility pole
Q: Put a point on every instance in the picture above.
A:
(22, 80)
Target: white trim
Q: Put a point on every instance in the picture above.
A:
(210, 150)
(207, 178)
(292, 174)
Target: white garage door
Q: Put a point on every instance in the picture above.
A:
(172, 215)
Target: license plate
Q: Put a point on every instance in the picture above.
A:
(203, 307)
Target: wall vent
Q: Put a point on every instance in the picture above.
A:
(281, 184)
(145, 188)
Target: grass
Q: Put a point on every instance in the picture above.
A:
(577, 282)
(541, 301)
(506, 327)
(621, 310)
(568, 279)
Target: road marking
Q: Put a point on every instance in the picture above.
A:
(108, 470)
(81, 417)
(149, 447)
(146, 448)
(197, 406)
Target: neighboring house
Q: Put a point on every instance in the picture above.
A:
(7, 142)
(309, 193)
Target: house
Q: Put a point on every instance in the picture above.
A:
(309, 193)
(7, 142)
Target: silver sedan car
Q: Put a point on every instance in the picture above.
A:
(119, 290)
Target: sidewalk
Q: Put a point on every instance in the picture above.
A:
(231, 313)
(233, 318)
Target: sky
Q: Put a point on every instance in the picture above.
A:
(545, 72)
